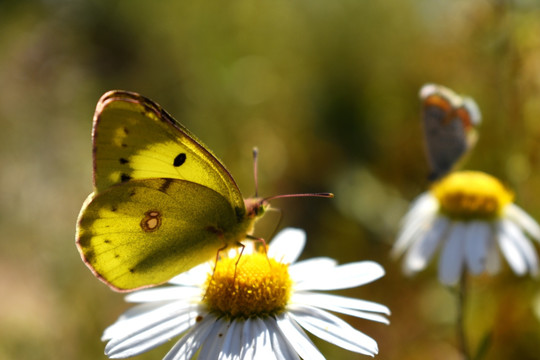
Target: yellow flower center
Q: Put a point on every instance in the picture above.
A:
(468, 195)
(255, 287)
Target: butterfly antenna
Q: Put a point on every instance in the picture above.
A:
(255, 170)
(256, 178)
(322, 195)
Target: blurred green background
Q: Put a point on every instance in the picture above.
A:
(327, 89)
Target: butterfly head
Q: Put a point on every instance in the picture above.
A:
(256, 207)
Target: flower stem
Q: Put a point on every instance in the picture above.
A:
(460, 323)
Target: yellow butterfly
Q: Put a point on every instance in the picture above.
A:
(162, 202)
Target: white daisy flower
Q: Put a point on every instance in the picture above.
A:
(254, 308)
(470, 215)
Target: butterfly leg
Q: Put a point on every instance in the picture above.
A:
(224, 247)
(265, 246)
(238, 243)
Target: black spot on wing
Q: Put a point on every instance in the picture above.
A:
(179, 160)
(84, 241)
(89, 256)
(123, 161)
(125, 177)
(166, 184)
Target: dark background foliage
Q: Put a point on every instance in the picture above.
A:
(328, 92)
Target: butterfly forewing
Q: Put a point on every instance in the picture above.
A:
(134, 138)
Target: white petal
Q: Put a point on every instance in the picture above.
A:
(524, 220)
(211, 348)
(318, 299)
(144, 316)
(304, 269)
(423, 205)
(416, 222)
(522, 244)
(423, 249)
(477, 239)
(349, 306)
(287, 245)
(165, 294)
(262, 339)
(342, 277)
(148, 337)
(195, 276)
(255, 340)
(334, 330)
(248, 338)
(493, 260)
(351, 312)
(281, 346)
(190, 343)
(452, 256)
(232, 341)
(121, 325)
(511, 252)
(298, 338)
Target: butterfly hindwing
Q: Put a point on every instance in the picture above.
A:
(143, 232)
(134, 138)
(445, 140)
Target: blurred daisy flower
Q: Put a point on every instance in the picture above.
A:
(471, 216)
(253, 309)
